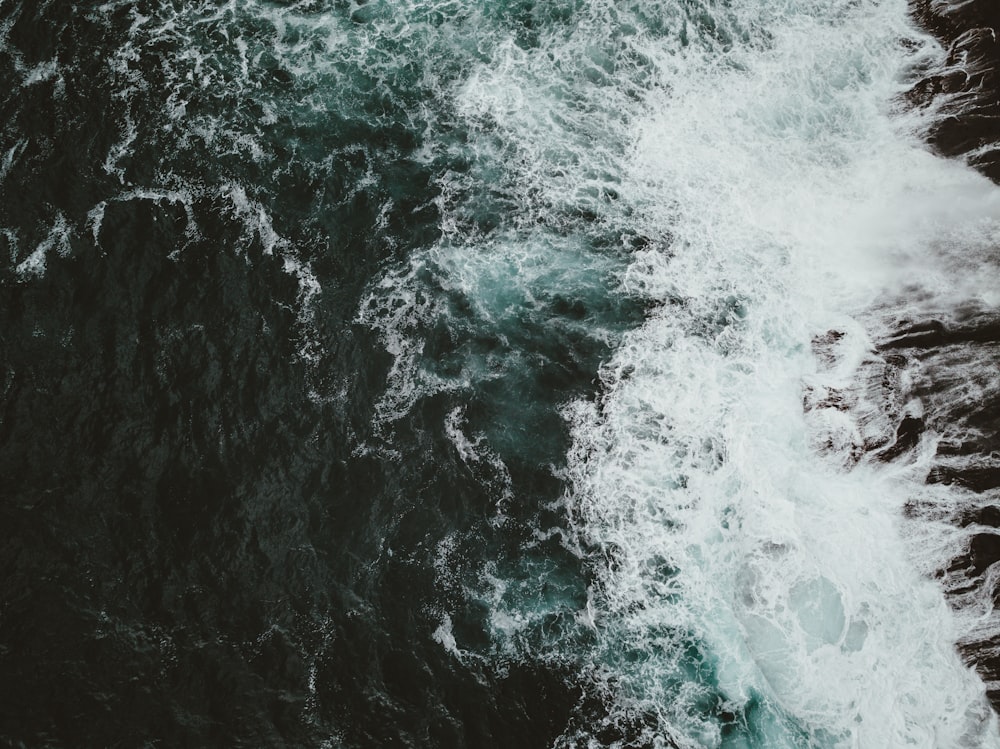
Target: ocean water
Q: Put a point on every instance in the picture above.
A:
(489, 374)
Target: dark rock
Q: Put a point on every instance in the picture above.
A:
(988, 515)
(824, 346)
(984, 551)
(948, 21)
(949, 358)
(977, 478)
(934, 333)
(964, 90)
(907, 436)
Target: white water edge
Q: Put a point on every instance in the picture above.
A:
(798, 204)
(785, 193)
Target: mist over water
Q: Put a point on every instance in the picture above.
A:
(490, 374)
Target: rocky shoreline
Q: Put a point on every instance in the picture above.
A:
(952, 361)
(966, 90)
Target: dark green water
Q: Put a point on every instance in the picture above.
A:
(199, 548)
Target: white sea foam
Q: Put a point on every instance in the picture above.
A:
(754, 566)
(444, 636)
(95, 217)
(11, 156)
(797, 205)
(57, 239)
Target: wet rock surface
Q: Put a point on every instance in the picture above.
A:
(964, 90)
(926, 394)
(955, 360)
(950, 364)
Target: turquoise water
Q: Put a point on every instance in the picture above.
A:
(445, 374)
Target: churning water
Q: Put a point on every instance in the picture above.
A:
(485, 374)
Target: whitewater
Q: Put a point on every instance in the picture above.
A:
(756, 579)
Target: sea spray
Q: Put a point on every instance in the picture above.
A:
(754, 580)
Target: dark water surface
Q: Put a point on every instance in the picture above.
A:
(193, 553)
